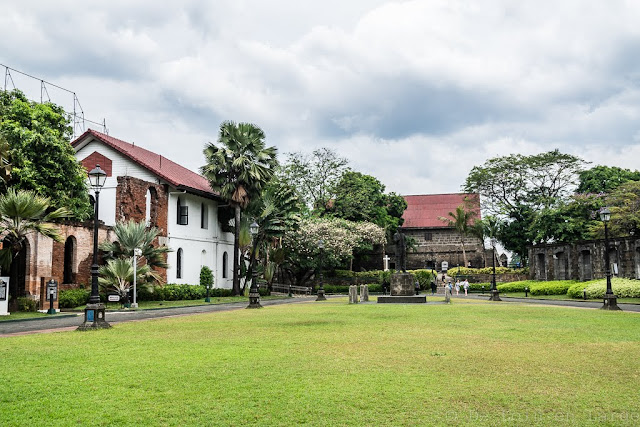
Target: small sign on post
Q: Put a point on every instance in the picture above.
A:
(113, 297)
(52, 295)
(445, 265)
(4, 296)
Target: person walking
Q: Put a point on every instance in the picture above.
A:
(457, 286)
(465, 285)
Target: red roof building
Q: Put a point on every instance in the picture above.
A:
(424, 211)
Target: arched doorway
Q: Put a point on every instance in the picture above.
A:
(69, 272)
(18, 272)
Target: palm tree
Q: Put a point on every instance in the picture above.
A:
(238, 168)
(461, 221)
(22, 213)
(131, 235)
(117, 275)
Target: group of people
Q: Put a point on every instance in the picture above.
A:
(459, 284)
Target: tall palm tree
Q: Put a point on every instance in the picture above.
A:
(131, 235)
(461, 221)
(238, 168)
(22, 213)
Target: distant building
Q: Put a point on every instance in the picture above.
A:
(435, 241)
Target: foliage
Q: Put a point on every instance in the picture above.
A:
(315, 177)
(461, 220)
(361, 197)
(72, 298)
(206, 277)
(573, 220)
(554, 287)
(622, 288)
(516, 188)
(116, 275)
(41, 154)
(424, 277)
(239, 167)
(180, 292)
(516, 286)
(5, 162)
(624, 204)
(465, 271)
(131, 235)
(27, 304)
(604, 179)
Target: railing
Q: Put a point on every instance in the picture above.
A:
(285, 289)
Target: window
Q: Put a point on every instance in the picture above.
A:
(428, 236)
(179, 264)
(225, 263)
(147, 211)
(183, 213)
(204, 216)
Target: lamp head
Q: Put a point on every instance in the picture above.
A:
(605, 214)
(97, 178)
(253, 228)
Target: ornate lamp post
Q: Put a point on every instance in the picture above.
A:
(94, 312)
(610, 300)
(321, 296)
(137, 252)
(254, 295)
(495, 295)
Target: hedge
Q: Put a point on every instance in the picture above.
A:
(516, 286)
(556, 287)
(622, 288)
(73, 298)
(465, 271)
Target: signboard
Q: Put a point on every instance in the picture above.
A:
(445, 265)
(113, 298)
(52, 290)
(4, 288)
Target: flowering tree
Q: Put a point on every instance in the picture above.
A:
(340, 237)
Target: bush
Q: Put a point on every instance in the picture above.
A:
(557, 287)
(622, 288)
(375, 288)
(373, 276)
(424, 277)
(27, 304)
(477, 287)
(336, 289)
(344, 274)
(516, 286)
(206, 277)
(72, 298)
(464, 271)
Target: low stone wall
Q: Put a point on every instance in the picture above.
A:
(500, 278)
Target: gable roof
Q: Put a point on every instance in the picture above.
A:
(423, 211)
(176, 175)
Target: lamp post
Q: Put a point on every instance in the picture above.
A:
(137, 252)
(321, 296)
(495, 296)
(254, 295)
(94, 312)
(610, 300)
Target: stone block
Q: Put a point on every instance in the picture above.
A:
(403, 284)
(364, 293)
(353, 294)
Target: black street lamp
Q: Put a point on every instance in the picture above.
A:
(94, 311)
(610, 300)
(495, 295)
(321, 296)
(254, 295)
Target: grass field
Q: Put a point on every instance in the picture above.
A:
(468, 363)
(145, 305)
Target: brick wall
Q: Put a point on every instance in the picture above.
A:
(96, 158)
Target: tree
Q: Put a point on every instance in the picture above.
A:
(461, 220)
(117, 275)
(23, 213)
(42, 158)
(604, 179)
(361, 197)
(131, 235)
(516, 188)
(315, 177)
(239, 168)
(5, 163)
(624, 203)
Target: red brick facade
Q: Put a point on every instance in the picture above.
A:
(96, 158)
(131, 199)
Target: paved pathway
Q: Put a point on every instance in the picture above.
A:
(562, 303)
(62, 322)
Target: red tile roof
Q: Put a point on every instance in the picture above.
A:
(173, 173)
(423, 211)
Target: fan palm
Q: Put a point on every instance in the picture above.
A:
(461, 221)
(117, 275)
(238, 168)
(22, 213)
(131, 235)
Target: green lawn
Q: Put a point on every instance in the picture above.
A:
(565, 297)
(330, 363)
(20, 315)
(183, 303)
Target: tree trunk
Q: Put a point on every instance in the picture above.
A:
(464, 253)
(236, 253)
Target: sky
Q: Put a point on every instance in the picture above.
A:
(414, 93)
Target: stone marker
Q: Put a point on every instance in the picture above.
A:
(403, 290)
(364, 293)
(447, 294)
(353, 294)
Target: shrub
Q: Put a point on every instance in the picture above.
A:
(557, 287)
(464, 271)
(345, 274)
(477, 287)
(516, 286)
(206, 277)
(622, 288)
(369, 276)
(423, 277)
(73, 298)
(336, 289)
(375, 287)
(27, 304)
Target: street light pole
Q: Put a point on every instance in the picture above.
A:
(94, 311)
(495, 295)
(321, 296)
(610, 300)
(137, 252)
(254, 295)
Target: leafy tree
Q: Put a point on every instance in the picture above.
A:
(238, 168)
(315, 177)
(22, 213)
(361, 197)
(461, 220)
(5, 163)
(571, 221)
(206, 277)
(42, 157)
(516, 188)
(624, 203)
(131, 235)
(604, 179)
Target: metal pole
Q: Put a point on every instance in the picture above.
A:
(135, 277)
(607, 261)
(95, 296)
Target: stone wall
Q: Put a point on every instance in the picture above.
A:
(131, 197)
(585, 260)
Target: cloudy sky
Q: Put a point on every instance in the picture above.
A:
(413, 92)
